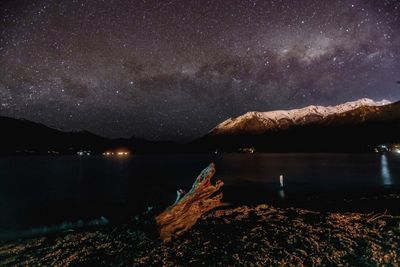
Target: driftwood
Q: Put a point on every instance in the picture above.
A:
(190, 207)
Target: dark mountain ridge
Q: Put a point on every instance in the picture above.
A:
(20, 136)
(356, 130)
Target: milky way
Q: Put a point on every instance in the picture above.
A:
(174, 69)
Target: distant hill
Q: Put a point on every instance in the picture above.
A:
(351, 127)
(26, 137)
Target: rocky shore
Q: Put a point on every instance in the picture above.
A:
(243, 236)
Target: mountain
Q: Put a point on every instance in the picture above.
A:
(262, 122)
(25, 137)
(350, 127)
(353, 126)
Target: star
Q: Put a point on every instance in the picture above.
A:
(124, 68)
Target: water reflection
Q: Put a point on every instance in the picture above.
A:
(281, 193)
(385, 171)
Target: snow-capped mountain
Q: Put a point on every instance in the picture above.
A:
(356, 126)
(262, 122)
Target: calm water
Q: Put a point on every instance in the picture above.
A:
(38, 191)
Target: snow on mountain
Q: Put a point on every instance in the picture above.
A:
(257, 122)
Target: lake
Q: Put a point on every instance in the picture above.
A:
(38, 191)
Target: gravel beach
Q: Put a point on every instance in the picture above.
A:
(243, 236)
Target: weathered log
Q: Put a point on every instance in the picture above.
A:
(187, 209)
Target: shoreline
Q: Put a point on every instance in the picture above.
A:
(385, 200)
(244, 236)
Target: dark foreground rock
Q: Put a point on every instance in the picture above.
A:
(258, 236)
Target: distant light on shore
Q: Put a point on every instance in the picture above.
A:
(84, 153)
(117, 153)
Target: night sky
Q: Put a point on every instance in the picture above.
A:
(174, 69)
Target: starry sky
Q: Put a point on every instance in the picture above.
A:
(174, 69)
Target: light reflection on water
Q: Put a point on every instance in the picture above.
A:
(385, 171)
(37, 191)
(281, 194)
